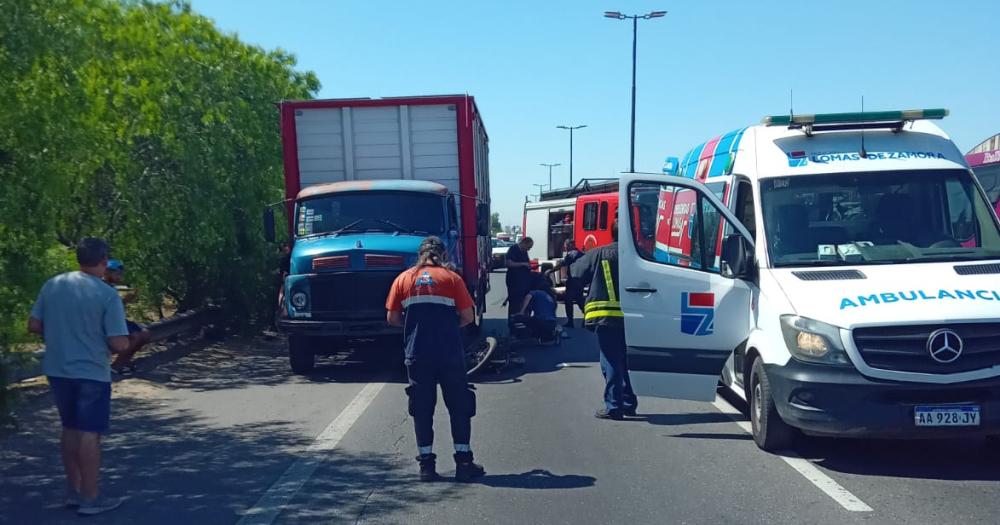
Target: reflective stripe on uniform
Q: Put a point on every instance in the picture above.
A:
(609, 281)
(428, 299)
(594, 305)
(597, 314)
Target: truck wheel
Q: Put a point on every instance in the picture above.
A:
(300, 354)
(770, 432)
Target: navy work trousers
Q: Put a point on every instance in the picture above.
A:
(573, 297)
(618, 394)
(425, 376)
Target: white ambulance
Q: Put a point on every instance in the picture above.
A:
(841, 271)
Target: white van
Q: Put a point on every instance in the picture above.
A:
(841, 271)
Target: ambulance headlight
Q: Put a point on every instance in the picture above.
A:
(813, 341)
(299, 299)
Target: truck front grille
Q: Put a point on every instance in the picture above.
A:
(351, 292)
(904, 348)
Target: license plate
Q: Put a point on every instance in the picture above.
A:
(951, 416)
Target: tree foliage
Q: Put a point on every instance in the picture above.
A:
(142, 123)
(495, 225)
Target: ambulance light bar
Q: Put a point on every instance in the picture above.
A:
(864, 117)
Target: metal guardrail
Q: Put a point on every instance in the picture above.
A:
(160, 330)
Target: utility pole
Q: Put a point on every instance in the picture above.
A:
(635, 31)
(571, 128)
(550, 166)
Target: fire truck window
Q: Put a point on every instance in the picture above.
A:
(590, 216)
(604, 215)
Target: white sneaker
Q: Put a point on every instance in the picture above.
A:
(98, 505)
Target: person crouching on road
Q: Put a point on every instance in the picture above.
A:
(431, 303)
(539, 310)
(603, 315)
(82, 321)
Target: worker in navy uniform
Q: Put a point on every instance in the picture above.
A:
(518, 276)
(603, 315)
(573, 294)
(431, 303)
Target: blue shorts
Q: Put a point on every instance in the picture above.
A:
(84, 404)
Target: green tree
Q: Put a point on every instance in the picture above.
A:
(495, 225)
(140, 122)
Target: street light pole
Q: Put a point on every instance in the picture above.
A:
(539, 186)
(635, 32)
(571, 128)
(550, 166)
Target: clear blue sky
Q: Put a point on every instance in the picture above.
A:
(706, 68)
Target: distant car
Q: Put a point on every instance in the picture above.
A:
(500, 247)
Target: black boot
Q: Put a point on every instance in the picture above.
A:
(428, 464)
(465, 469)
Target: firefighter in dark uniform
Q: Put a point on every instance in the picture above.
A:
(603, 315)
(431, 303)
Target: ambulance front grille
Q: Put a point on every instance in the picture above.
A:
(829, 275)
(905, 348)
(977, 269)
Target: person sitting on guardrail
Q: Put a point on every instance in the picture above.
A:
(81, 320)
(138, 335)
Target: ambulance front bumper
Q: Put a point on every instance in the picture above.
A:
(838, 401)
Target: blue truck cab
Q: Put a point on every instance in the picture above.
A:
(349, 242)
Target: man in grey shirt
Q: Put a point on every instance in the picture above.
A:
(82, 321)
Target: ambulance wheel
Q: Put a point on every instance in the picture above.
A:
(300, 354)
(770, 432)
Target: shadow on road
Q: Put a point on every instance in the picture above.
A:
(538, 479)
(176, 467)
(694, 418)
(940, 459)
(951, 459)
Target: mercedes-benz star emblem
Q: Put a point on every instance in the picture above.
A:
(944, 345)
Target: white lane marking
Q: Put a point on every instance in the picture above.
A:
(270, 505)
(801, 465)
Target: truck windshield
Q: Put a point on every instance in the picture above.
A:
(877, 218)
(401, 212)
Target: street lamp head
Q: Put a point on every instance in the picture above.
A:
(656, 14)
(563, 127)
(613, 14)
(581, 126)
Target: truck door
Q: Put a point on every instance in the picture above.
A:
(683, 317)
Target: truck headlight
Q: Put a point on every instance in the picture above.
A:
(813, 341)
(299, 299)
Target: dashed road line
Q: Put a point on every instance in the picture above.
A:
(801, 465)
(270, 505)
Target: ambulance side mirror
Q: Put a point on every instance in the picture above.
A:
(737, 257)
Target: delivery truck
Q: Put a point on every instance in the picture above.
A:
(366, 180)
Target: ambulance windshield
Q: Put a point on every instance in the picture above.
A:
(877, 218)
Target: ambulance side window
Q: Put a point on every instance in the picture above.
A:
(687, 228)
(744, 207)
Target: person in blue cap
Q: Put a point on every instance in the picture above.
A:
(138, 335)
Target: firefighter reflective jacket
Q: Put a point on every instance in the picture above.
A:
(599, 266)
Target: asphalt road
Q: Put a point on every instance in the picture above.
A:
(226, 434)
